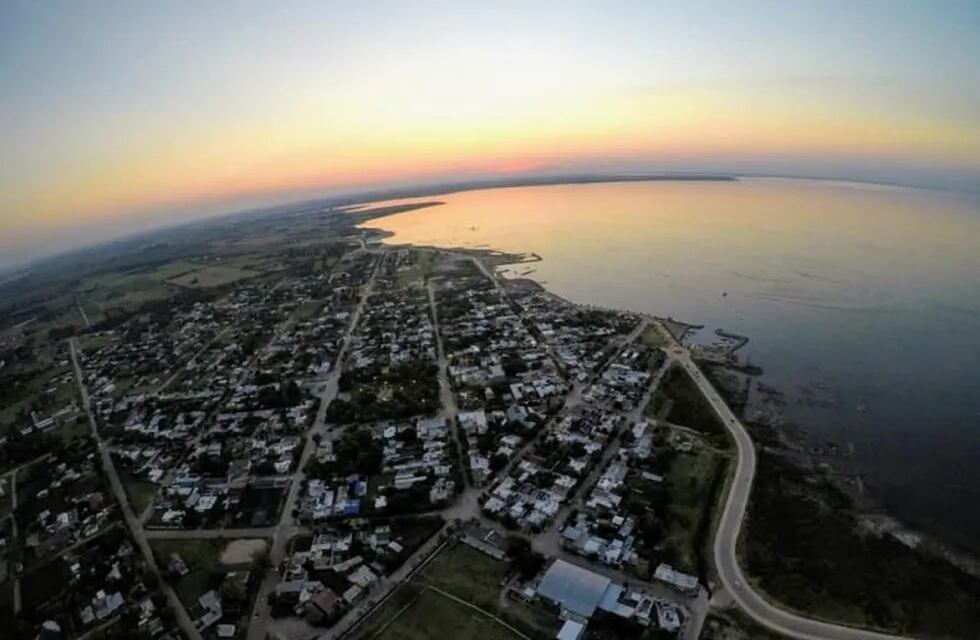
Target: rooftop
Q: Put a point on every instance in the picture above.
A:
(576, 589)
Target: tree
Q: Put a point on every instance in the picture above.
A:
(151, 579)
(497, 462)
(525, 562)
(233, 590)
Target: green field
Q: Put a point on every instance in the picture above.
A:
(691, 489)
(139, 492)
(73, 429)
(120, 291)
(678, 400)
(434, 615)
(652, 337)
(735, 625)
(203, 558)
(212, 276)
(470, 576)
(6, 500)
(40, 392)
(308, 310)
(92, 342)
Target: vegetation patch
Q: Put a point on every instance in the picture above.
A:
(804, 549)
(434, 615)
(693, 482)
(687, 407)
(140, 492)
(732, 624)
(212, 276)
(470, 576)
(203, 558)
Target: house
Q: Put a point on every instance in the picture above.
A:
(668, 617)
(211, 604)
(226, 630)
(680, 581)
(486, 540)
(571, 630)
(322, 605)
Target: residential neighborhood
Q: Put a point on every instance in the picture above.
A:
(286, 456)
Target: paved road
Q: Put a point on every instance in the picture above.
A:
(14, 534)
(726, 538)
(447, 398)
(203, 534)
(286, 528)
(132, 522)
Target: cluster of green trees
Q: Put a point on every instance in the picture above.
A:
(411, 390)
(523, 561)
(355, 452)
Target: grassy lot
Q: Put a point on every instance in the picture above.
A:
(735, 625)
(803, 547)
(478, 579)
(403, 597)
(417, 272)
(203, 558)
(140, 492)
(470, 576)
(34, 394)
(652, 337)
(692, 482)
(92, 342)
(308, 310)
(6, 500)
(687, 407)
(459, 268)
(7, 601)
(467, 574)
(416, 530)
(174, 270)
(74, 429)
(212, 276)
(434, 615)
(119, 290)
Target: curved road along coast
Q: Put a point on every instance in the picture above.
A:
(726, 538)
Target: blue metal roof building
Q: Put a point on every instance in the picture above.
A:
(578, 591)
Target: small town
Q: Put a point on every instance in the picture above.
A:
(314, 446)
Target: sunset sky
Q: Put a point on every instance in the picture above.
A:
(120, 116)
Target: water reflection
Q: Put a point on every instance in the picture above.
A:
(868, 297)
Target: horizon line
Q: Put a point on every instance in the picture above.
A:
(427, 189)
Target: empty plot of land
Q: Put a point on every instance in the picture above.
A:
(474, 578)
(212, 276)
(204, 559)
(679, 401)
(242, 551)
(101, 295)
(693, 481)
(434, 615)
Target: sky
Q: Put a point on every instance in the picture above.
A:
(121, 116)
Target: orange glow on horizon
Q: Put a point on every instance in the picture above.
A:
(310, 150)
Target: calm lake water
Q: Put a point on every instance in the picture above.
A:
(869, 295)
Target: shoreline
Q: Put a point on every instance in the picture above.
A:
(865, 508)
